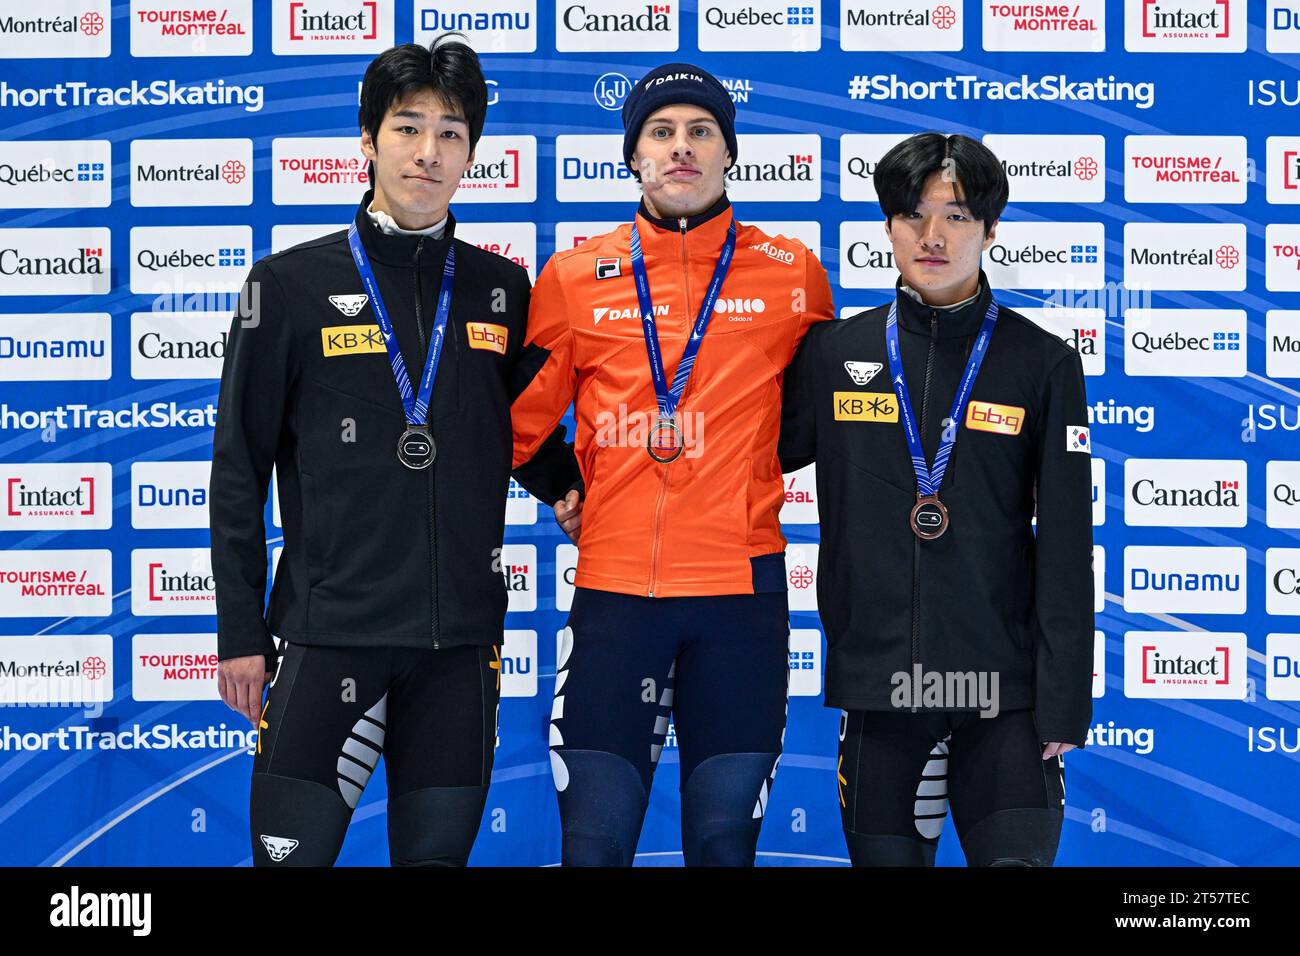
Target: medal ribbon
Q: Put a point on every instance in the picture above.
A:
(928, 479)
(666, 395)
(415, 405)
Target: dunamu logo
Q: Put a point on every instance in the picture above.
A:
(965, 690)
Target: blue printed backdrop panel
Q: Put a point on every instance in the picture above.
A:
(153, 150)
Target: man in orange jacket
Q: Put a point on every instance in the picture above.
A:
(671, 336)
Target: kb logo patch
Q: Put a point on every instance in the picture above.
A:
(351, 340)
(865, 407)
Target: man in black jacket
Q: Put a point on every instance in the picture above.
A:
(960, 642)
(376, 375)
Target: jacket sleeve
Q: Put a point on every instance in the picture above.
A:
(257, 375)
(1063, 590)
(797, 445)
(547, 381)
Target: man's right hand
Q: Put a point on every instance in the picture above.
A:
(240, 681)
(568, 512)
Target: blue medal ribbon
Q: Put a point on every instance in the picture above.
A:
(415, 405)
(928, 479)
(666, 395)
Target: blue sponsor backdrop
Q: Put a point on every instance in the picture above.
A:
(1165, 781)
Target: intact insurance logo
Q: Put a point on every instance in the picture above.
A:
(191, 172)
(759, 25)
(1282, 257)
(1083, 329)
(55, 261)
(1047, 255)
(1185, 664)
(55, 28)
(1282, 169)
(889, 25)
(60, 347)
(306, 170)
(1185, 343)
(1071, 27)
(49, 174)
(615, 26)
(1283, 26)
(492, 26)
(1167, 580)
(172, 581)
(1052, 168)
(191, 28)
(504, 170)
(57, 497)
(1185, 26)
(332, 26)
(1183, 256)
(190, 258)
(1184, 493)
(1185, 169)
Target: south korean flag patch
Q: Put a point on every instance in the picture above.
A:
(1076, 439)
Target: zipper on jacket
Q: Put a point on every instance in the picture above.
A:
(916, 542)
(433, 556)
(663, 482)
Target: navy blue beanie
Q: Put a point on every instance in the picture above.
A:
(676, 83)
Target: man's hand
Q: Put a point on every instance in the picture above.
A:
(240, 681)
(1054, 748)
(568, 513)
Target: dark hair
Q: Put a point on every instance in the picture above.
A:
(901, 174)
(447, 67)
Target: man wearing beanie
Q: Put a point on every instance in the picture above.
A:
(670, 335)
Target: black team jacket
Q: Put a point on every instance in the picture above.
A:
(990, 594)
(375, 553)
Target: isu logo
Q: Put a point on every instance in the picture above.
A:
(485, 335)
(1001, 419)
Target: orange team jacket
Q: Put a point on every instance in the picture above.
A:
(690, 527)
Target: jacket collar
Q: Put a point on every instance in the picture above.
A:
(915, 316)
(702, 234)
(398, 250)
